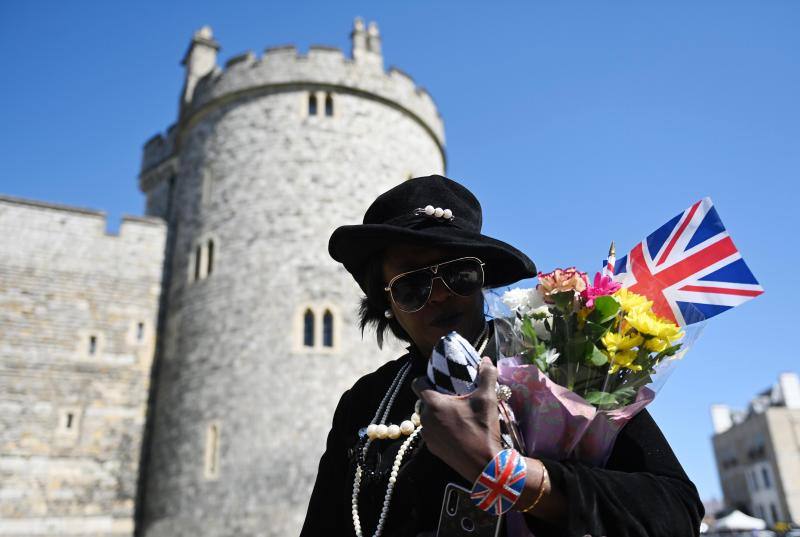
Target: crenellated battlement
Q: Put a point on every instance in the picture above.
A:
(43, 217)
(361, 73)
(325, 66)
(158, 148)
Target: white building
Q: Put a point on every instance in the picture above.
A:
(758, 453)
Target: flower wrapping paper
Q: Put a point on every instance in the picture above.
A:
(558, 424)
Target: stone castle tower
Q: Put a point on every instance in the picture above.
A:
(259, 334)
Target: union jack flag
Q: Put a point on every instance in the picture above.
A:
(500, 483)
(689, 268)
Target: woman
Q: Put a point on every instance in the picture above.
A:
(421, 261)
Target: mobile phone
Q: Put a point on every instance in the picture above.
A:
(460, 518)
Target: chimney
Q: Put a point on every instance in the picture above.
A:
(358, 38)
(366, 44)
(374, 39)
(790, 389)
(721, 418)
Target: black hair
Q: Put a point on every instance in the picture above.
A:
(376, 302)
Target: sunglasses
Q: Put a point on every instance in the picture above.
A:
(411, 290)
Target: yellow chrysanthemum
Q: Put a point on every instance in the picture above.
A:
(615, 342)
(623, 359)
(650, 324)
(631, 301)
(656, 344)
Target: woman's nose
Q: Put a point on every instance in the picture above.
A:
(439, 290)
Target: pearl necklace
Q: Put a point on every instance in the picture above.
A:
(381, 430)
(388, 401)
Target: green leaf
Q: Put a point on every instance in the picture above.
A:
(600, 398)
(563, 301)
(597, 358)
(669, 351)
(605, 309)
(594, 330)
(624, 395)
(528, 330)
(576, 348)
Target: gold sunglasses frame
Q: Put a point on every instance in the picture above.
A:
(435, 270)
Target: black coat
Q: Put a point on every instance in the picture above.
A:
(642, 491)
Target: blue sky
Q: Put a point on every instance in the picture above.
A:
(575, 124)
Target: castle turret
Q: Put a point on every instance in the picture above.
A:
(260, 333)
(367, 44)
(200, 59)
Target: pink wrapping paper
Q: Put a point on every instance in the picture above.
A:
(559, 424)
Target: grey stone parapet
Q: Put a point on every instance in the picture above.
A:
(285, 68)
(158, 148)
(322, 66)
(91, 221)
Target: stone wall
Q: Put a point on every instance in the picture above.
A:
(78, 310)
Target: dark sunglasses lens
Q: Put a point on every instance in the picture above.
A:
(463, 277)
(412, 290)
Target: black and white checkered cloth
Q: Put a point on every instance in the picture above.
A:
(453, 366)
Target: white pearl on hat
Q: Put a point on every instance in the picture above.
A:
(429, 210)
(447, 214)
(438, 212)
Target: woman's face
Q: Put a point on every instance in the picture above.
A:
(444, 311)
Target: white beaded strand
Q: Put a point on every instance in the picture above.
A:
(387, 499)
(411, 427)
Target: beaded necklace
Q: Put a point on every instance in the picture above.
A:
(383, 412)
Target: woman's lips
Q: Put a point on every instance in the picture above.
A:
(447, 320)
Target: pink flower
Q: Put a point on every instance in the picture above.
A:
(603, 286)
(560, 281)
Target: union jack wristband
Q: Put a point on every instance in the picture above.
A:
(500, 483)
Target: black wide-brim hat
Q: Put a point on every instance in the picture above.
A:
(399, 216)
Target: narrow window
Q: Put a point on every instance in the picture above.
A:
(92, 344)
(774, 512)
(329, 105)
(308, 328)
(765, 475)
(312, 105)
(208, 184)
(69, 422)
(212, 451)
(139, 331)
(198, 253)
(210, 256)
(327, 329)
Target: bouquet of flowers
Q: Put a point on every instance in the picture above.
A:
(582, 359)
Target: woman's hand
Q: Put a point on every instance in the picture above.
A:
(463, 431)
